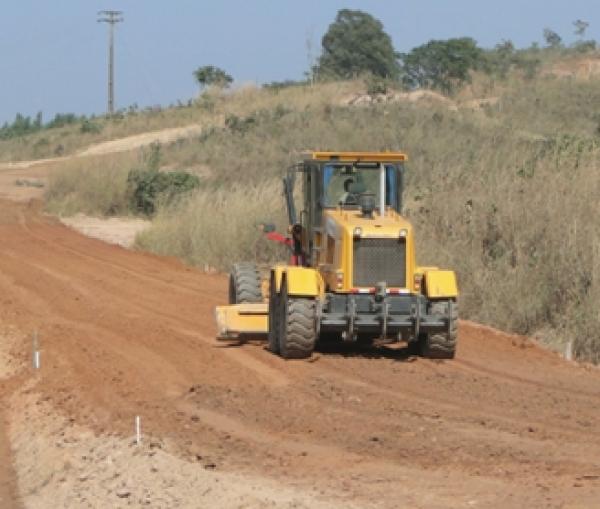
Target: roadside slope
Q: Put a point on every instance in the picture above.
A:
(37, 170)
(126, 333)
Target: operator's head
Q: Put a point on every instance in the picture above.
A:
(347, 184)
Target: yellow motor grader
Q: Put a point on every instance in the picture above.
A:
(352, 275)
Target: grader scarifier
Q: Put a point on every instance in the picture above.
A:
(352, 275)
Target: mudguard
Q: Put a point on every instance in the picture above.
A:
(440, 284)
(301, 281)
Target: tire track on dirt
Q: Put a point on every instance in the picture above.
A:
(76, 282)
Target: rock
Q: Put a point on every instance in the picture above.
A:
(154, 444)
(123, 493)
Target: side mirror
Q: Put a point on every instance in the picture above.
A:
(266, 227)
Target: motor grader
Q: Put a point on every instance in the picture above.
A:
(352, 275)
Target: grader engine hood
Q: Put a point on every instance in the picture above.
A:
(368, 250)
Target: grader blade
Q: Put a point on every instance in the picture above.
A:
(242, 319)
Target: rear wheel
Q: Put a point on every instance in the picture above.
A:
(244, 284)
(441, 345)
(297, 330)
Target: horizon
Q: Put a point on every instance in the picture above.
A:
(62, 67)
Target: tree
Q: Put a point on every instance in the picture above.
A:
(442, 64)
(499, 60)
(553, 40)
(356, 43)
(580, 27)
(209, 75)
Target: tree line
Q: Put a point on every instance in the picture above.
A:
(356, 44)
(23, 125)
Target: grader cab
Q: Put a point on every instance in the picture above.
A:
(352, 275)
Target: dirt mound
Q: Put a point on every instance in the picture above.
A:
(124, 333)
(584, 69)
(363, 99)
(76, 468)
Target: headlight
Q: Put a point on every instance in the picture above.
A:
(403, 232)
(357, 231)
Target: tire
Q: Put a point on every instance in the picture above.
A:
(273, 335)
(244, 284)
(441, 345)
(297, 331)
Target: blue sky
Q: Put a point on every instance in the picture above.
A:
(53, 55)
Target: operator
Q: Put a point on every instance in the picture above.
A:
(348, 197)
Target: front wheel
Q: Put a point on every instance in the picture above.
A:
(297, 325)
(441, 345)
(244, 284)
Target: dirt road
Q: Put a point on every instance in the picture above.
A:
(506, 424)
(8, 485)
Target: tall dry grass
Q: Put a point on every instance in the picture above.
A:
(215, 227)
(96, 186)
(505, 194)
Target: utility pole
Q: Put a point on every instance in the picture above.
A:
(112, 18)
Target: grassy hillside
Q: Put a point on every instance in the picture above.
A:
(503, 190)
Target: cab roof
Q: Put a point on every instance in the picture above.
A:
(371, 157)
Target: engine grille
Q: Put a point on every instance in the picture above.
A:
(377, 260)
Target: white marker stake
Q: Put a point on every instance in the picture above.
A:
(569, 351)
(36, 350)
(138, 430)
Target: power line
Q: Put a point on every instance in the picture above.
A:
(112, 18)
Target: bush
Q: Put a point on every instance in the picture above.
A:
(277, 86)
(62, 120)
(377, 85)
(87, 126)
(209, 75)
(239, 125)
(149, 188)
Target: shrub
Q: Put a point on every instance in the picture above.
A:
(87, 126)
(209, 75)
(376, 85)
(62, 120)
(149, 188)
